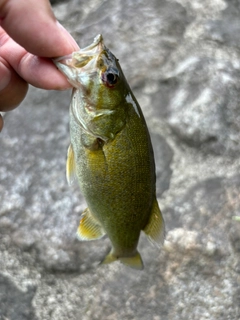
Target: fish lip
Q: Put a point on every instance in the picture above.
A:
(79, 57)
(96, 41)
(80, 65)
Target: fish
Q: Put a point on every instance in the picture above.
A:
(111, 155)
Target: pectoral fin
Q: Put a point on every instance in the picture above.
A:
(155, 228)
(70, 166)
(89, 228)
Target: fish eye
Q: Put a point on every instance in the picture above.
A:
(112, 78)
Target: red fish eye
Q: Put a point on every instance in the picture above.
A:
(110, 77)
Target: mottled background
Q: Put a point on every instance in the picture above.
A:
(182, 60)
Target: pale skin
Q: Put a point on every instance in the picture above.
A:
(29, 37)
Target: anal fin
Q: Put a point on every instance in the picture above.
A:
(155, 229)
(89, 228)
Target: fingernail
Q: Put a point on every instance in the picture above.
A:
(68, 37)
(5, 76)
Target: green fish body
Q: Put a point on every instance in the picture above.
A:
(111, 155)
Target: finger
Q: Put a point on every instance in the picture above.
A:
(42, 73)
(40, 33)
(39, 72)
(14, 91)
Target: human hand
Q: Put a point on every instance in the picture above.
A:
(29, 37)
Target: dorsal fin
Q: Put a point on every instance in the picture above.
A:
(70, 166)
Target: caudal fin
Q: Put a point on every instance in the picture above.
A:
(134, 262)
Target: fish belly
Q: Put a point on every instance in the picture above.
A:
(118, 182)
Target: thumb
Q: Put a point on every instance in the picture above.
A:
(33, 25)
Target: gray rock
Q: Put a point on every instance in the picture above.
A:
(204, 106)
(204, 245)
(181, 59)
(15, 303)
(202, 80)
(157, 27)
(163, 158)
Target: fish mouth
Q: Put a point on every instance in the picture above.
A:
(79, 65)
(79, 59)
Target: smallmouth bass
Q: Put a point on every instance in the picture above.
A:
(111, 155)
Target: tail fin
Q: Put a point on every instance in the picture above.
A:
(110, 257)
(134, 262)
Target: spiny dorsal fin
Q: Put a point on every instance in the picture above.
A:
(155, 228)
(70, 166)
(89, 228)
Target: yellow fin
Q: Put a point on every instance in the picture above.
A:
(89, 228)
(70, 166)
(110, 257)
(134, 262)
(155, 228)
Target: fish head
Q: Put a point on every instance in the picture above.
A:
(96, 73)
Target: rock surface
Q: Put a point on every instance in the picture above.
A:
(181, 59)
